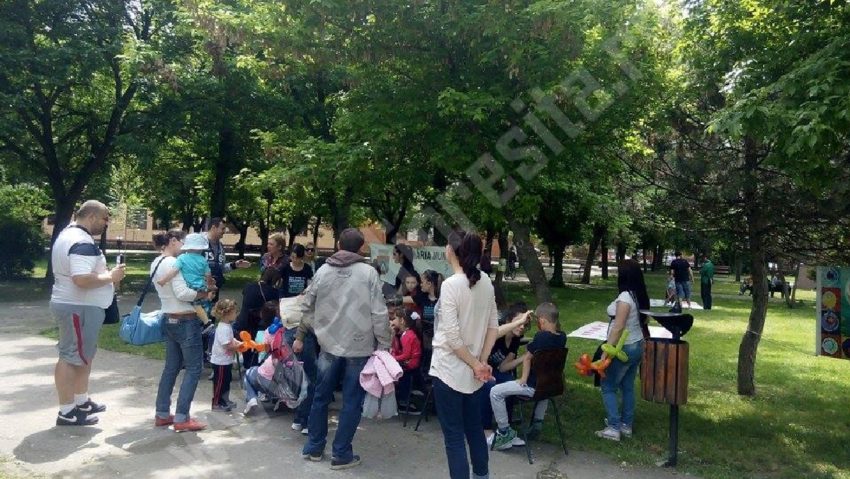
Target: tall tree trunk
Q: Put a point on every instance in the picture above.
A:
(341, 211)
(63, 210)
(755, 227)
(791, 298)
(738, 267)
(557, 253)
(501, 299)
(643, 255)
(316, 227)
(242, 228)
(658, 258)
(598, 233)
(530, 262)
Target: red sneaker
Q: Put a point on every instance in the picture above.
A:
(163, 421)
(190, 425)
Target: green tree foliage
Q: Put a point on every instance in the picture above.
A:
(69, 72)
(22, 209)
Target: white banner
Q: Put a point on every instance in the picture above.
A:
(599, 330)
(424, 258)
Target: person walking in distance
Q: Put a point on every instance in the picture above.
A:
(350, 322)
(82, 290)
(706, 281)
(684, 276)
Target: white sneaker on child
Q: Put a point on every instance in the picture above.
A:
(249, 406)
(296, 426)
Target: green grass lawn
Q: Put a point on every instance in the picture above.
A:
(795, 427)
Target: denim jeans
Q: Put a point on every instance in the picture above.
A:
(183, 348)
(486, 407)
(308, 357)
(620, 376)
(255, 383)
(683, 290)
(460, 420)
(330, 370)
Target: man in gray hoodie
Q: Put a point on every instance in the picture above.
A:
(350, 322)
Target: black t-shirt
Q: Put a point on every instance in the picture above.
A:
(680, 267)
(426, 305)
(294, 282)
(501, 350)
(545, 340)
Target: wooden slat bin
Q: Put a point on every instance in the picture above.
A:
(664, 371)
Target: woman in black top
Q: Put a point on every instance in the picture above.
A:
(255, 312)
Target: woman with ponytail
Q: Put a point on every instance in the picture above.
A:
(465, 328)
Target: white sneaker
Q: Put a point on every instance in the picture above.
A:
(249, 406)
(625, 431)
(609, 433)
(296, 426)
(305, 431)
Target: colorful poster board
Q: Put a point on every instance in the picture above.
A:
(832, 333)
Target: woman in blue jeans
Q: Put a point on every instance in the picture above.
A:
(465, 328)
(182, 331)
(620, 375)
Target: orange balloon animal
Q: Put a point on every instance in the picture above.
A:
(249, 343)
(586, 368)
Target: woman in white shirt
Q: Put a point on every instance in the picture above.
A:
(182, 332)
(465, 328)
(620, 376)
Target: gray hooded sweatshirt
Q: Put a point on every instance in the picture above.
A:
(349, 314)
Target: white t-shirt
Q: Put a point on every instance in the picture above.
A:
(223, 335)
(75, 253)
(632, 320)
(462, 317)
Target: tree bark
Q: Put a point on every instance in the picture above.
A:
(557, 254)
(748, 349)
(316, 227)
(530, 262)
(596, 239)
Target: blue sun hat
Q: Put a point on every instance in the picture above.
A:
(195, 242)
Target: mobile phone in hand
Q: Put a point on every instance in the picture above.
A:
(119, 260)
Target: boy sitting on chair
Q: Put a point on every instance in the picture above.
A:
(549, 336)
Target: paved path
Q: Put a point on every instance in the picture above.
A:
(125, 444)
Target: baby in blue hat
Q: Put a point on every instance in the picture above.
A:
(192, 264)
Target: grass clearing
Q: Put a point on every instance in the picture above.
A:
(795, 427)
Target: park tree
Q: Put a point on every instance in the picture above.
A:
(755, 72)
(69, 73)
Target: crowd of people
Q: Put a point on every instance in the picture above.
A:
(444, 334)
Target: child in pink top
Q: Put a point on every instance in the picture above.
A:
(259, 378)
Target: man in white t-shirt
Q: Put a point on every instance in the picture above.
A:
(82, 290)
